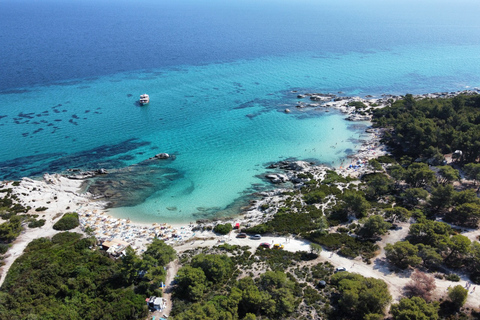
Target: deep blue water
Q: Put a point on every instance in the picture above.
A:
(219, 73)
(52, 40)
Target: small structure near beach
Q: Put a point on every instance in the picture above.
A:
(155, 303)
(115, 247)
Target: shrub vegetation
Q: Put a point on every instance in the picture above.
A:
(63, 279)
(69, 221)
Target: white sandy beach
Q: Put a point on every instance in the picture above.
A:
(61, 195)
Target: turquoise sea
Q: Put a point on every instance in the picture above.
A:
(219, 76)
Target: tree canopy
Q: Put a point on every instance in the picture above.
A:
(457, 295)
(420, 127)
(374, 226)
(361, 297)
(62, 278)
(67, 222)
(414, 308)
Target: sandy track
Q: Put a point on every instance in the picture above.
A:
(379, 268)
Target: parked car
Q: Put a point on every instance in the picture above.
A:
(340, 269)
(241, 235)
(322, 284)
(265, 245)
(278, 246)
(256, 237)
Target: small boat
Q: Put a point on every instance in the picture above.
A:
(144, 99)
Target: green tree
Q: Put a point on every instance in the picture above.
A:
(361, 297)
(217, 267)
(473, 264)
(253, 300)
(467, 214)
(448, 174)
(442, 197)
(431, 258)
(458, 296)
(280, 288)
(430, 127)
(419, 175)
(465, 196)
(433, 233)
(157, 255)
(204, 311)
(458, 102)
(316, 248)
(355, 204)
(274, 280)
(61, 278)
(434, 156)
(378, 185)
(191, 283)
(409, 101)
(397, 214)
(397, 172)
(458, 247)
(411, 197)
(223, 228)
(374, 227)
(472, 171)
(315, 196)
(322, 225)
(160, 252)
(67, 222)
(375, 165)
(414, 308)
(402, 254)
(11, 229)
(130, 264)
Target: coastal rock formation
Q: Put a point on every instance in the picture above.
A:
(81, 175)
(277, 178)
(162, 156)
(291, 165)
(48, 178)
(298, 166)
(358, 117)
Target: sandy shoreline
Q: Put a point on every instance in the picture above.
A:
(60, 194)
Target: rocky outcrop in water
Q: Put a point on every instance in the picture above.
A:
(81, 175)
(277, 178)
(161, 156)
(132, 185)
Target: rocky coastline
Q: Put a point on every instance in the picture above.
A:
(63, 193)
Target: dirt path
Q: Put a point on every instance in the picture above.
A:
(379, 268)
(172, 270)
